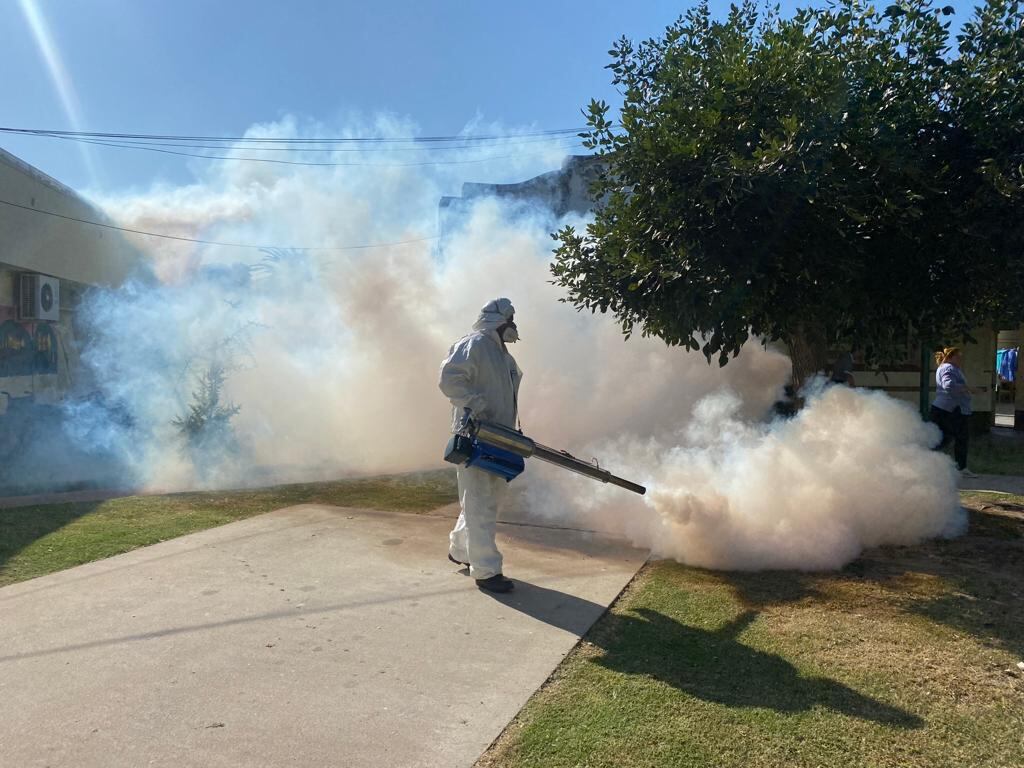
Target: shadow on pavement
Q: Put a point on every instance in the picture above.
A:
(206, 626)
(558, 609)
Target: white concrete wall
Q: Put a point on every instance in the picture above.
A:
(37, 242)
(979, 368)
(78, 254)
(1015, 338)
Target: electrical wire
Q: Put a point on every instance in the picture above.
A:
(154, 142)
(250, 139)
(149, 148)
(510, 142)
(218, 242)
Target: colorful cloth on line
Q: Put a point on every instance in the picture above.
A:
(1006, 363)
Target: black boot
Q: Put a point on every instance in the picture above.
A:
(496, 584)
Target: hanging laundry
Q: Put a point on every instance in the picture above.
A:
(1006, 363)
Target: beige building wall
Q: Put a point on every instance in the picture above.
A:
(38, 242)
(979, 366)
(80, 255)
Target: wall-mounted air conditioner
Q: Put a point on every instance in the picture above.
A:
(38, 297)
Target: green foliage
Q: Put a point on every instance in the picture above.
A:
(206, 429)
(836, 175)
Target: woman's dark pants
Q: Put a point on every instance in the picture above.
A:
(954, 428)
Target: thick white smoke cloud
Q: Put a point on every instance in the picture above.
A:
(333, 356)
(851, 470)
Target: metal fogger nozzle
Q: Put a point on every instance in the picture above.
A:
(511, 441)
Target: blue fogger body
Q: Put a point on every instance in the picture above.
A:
(501, 450)
(471, 452)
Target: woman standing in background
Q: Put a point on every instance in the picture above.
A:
(952, 405)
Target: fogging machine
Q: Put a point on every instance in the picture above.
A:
(502, 451)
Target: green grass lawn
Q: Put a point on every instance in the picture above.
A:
(996, 455)
(899, 660)
(42, 539)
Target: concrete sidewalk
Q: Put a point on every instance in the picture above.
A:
(310, 636)
(996, 483)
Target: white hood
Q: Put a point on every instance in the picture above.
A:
(494, 314)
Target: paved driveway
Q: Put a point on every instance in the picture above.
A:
(309, 636)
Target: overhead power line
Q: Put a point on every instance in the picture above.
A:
(177, 145)
(152, 148)
(328, 140)
(218, 242)
(509, 142)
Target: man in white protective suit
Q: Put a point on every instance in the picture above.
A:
(481, 379)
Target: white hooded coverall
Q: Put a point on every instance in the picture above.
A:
(480, 374)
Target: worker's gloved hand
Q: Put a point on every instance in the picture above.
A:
(463, 422)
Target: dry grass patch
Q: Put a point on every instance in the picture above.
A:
(899, 660)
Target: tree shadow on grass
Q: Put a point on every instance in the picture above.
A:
(715, 666)
(709, 665)
(764, 588)
(984, 573)
(972, 584)
(20, 526)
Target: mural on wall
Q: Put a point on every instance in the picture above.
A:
(46, 349)
(27, 349)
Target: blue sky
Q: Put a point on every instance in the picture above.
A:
(214, 67)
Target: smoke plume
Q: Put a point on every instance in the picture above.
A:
(852, 470)
(332, 358)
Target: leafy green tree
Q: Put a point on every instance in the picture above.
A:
(985, 103)
(831, 179)
(209, 438)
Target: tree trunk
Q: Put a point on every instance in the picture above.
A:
(808, 352)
